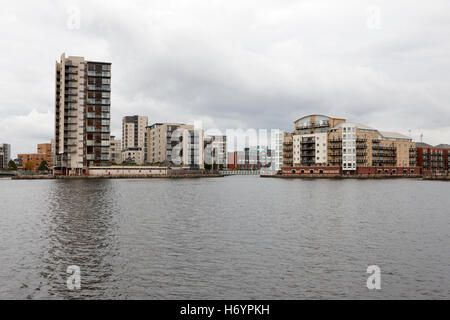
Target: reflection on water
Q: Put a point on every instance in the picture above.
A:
(233, 237)
(80, 231)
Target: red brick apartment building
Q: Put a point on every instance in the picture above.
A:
(433, 160)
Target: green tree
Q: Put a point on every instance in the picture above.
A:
(29, 165)
(12, 165)
(43, 166)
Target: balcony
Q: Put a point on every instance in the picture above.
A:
(99, 101)
(335, 140)
(99, 88)
(361, 146)
(99, 74)
(92, 115)
(91, 129)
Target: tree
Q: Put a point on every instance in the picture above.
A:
(12, 165)
(43, 166)
(29, 165)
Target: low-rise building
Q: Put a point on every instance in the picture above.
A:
(133, 155)
(30, 161)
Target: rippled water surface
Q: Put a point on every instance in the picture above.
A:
(224, 238)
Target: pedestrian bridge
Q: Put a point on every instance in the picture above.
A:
(240, 172)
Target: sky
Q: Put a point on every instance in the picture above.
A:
(233, 64)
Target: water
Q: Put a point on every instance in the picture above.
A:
(239, 237)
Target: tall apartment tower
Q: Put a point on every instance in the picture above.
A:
(82, 114)
(5, 150)
(133, 131)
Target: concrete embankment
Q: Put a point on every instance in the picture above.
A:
(155, 176)
(438, 178)
(338, 176)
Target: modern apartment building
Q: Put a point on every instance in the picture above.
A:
(215, 153)
(133, 131)
(310, 143)
(192, 149)
(354, 145)
(277, 145)
(46, 149)
(5, 151)
(30, 161)
(288, 150)
(321, 141)
(251, 158)
(433, 160)
(115, 150)
(159, 142)
(133, 155)
(82, 114)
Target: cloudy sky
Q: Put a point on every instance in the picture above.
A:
(234, 64)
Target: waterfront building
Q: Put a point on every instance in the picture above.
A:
(30, 161)
(82, 114)
(288, 150)
(159, 142)
(52, 153)
(433, 160)
(277, 149)
(133, 131)
(174, 144)
(46, 150)
(251, 158)
(133, 155)
(5, 150)
(320, 141)
(115, 150)
(215, 151)
(353, 145)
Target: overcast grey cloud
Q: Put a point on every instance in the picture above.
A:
(234, 64)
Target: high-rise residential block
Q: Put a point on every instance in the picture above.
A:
(5, 150)
(133, 131)
(82, 114)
